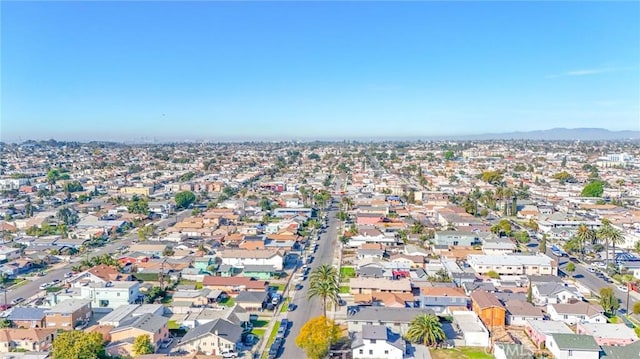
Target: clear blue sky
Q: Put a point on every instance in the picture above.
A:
(193, 70)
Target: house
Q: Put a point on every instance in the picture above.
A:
(242, 257)
(456, 238)
(104, 296)
(9, 253)
(395, 300)
(554, 293)
(25, 317)
(125, 312)
(200, 316)
(580, 312)
(513, 264)
(608, 334)
(68, 314)
(625, 352)
(194, 297)
(377, 342)
(439, 299)
(258, 271)
(572, 346)
(251, 301)
(473, 331)
(494, 248)
(539, 330)
(361, 285)
(519, 311)
(487, 306)
(212, 338)
(28, 340)
(397, 319)
(101, 274)
(234, 284)
(154, 326)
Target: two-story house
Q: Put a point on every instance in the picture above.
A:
(439, 299)
(68, 314)
(377, 342)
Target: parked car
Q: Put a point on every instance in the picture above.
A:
(44, 286)
(229, 354)
(68, 275)
(274, 350)
(291, 307)
(17, 301)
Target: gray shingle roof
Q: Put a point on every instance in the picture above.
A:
(385, 314)
(21, 313)
(225, 329)
(147, 322)
(575, 341)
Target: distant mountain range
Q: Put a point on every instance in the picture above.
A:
(555, 134)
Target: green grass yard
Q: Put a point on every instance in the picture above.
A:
(172, 324)
(284, 305)
(347, 272)
(228, 302)
(272, 337)
(460, 353)
(344, 289)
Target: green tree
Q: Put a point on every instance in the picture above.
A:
(530, 293)
(184, 199)
(522, 237)
(142, 345)
(608, 300)
(493, 177)
(636, 308)
(543, 244)
(493, 274)
(563, 177)
(425, 329)
(342, 215)
(417, 227)
(138, 205)
(6, 323)
(67, 216)
(593, 189)
(611, 236)
(449, 155)
(316, 336)
(77, 344)
(584, 235)
(52, 177)
(570, 267)
(324, 283)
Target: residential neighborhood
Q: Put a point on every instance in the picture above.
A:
(505, 249)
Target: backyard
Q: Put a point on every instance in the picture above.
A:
(461, 353)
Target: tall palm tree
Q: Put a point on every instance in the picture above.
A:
(611, 236)
(425, 329)
(324, 283)
(584, 235)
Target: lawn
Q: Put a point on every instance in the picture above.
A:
(258, 332)
(344, 289)
(260, 323)
(284, 305)
(460, 353)
(228, 302)
(347, 272)
(172, 324)
(272, 337)
(278, 286)
(53, 289)
(614, 320)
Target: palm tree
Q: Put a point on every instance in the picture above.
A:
(324, 283)
(417, 227)
(610, 235)
(584, 235)
(425, 329)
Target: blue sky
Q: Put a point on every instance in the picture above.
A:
(267, 70)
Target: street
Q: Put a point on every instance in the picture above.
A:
(33, 286)
(308, 309)
(592, 282)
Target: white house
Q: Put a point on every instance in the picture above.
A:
(243, 257)
(572, 346)
(575, 313)
(513, 264)
(475, 334)
(103, 296)
(555, 293)
(377, 342)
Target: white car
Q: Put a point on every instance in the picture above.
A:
(623, 288)
(599, 264)
(229, 354)
(591, 269)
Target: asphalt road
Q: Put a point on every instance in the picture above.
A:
(592, 282)
(33, 286)
(308, 309)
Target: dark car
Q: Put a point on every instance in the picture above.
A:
(274, 350)
(291, 307)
